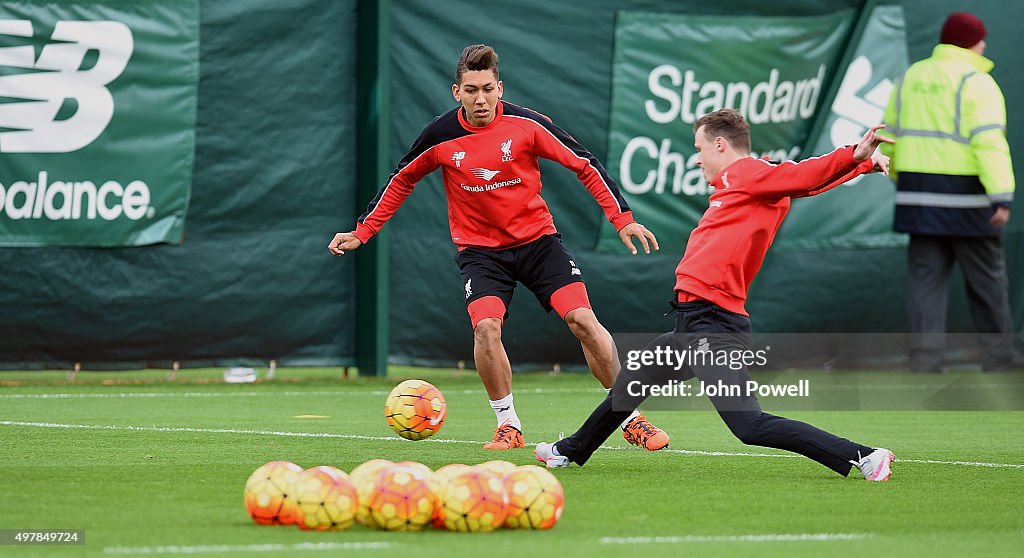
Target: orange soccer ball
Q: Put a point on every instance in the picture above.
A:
(415, 409)
(474, 501)
(401, 499)
(364, 477)
(325, 499)
(438, 481)
(535, 498)
(267, 497)
(499, 467)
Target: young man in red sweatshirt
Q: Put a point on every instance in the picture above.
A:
(488, 152)
(724, 253)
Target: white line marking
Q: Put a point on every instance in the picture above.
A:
(716, 453)
(267, 393)
(377, 393)
(794, 456)
(963, 463)
(442, 441)
(224, 548)
(785, 537)
(226, 431)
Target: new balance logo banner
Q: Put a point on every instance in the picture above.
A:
(57, 76)
(97, 123)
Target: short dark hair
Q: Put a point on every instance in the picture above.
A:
(475, 58)
(727, 123)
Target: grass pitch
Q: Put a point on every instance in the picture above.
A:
(151, 467)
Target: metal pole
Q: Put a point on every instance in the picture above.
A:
(372, 169)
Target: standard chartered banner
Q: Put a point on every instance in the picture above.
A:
(669, 69)
(858, 215)
(97, 121)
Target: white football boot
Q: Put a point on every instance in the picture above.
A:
(548, 455)
(876, 465)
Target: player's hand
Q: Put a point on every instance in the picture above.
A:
(343, 242)
(881, 163)
(647, 239)
(870, 142)
(1000, 217)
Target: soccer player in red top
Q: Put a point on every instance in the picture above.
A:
(724, 253)
(487, 150)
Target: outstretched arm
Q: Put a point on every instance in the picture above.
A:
(420, 161)
(816, 175)
(554, 143)
(879, 161)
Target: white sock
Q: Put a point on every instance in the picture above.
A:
(633, 415)
(505, 410)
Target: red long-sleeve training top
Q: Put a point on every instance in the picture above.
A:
(751, 199)
(492, 178)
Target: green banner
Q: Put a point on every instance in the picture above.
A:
(669, 69)
(858, 215)
(97, 121)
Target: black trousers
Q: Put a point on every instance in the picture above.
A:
(704, 324)
(929, 265)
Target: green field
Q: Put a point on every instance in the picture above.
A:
(151, 467)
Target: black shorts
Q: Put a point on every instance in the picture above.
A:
(543, 266)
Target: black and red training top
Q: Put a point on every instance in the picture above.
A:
(492, 178)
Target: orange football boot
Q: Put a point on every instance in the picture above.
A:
(642, 433)
(506, 437)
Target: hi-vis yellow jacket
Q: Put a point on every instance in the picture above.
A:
(951, 159)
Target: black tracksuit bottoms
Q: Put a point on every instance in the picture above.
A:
(702, 323)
